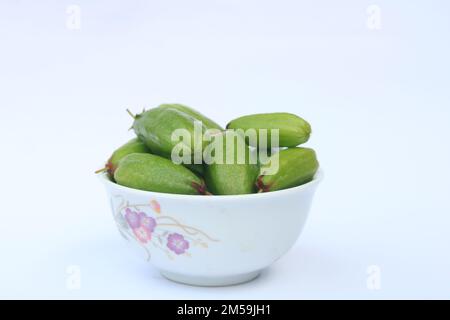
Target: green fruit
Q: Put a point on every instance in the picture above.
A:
(198, 169)
(133, 146)
(153, 173)
(156, 126)
(231, 178)
(293, 130)
(296, 166)
(194, 113)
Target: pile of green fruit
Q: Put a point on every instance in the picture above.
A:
(145, 163)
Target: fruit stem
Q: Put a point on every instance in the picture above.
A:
(101, 170)
(201, 188)
(260, 185)
(131, 114)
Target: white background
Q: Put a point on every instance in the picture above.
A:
(378, 101)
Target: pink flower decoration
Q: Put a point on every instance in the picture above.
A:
(132, 217)
(142, 234)
(177, 243)
(141, 224)
(155, 206)
(147, 222)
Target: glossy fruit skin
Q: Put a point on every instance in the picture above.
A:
(297, 166)
(293, 130)
(150, 172)
(155, 127)
(133, 146)
(232, 179)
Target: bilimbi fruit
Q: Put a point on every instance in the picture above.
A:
(155, 128)
(179, 150)
(235, 175)
(296, 166)
(293, 130)
(150, 172)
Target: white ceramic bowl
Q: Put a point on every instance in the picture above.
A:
(211, 240)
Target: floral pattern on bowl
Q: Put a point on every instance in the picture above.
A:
(149, 227)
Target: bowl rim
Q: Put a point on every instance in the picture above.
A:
(103, 176)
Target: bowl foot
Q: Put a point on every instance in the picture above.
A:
(210, 281)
